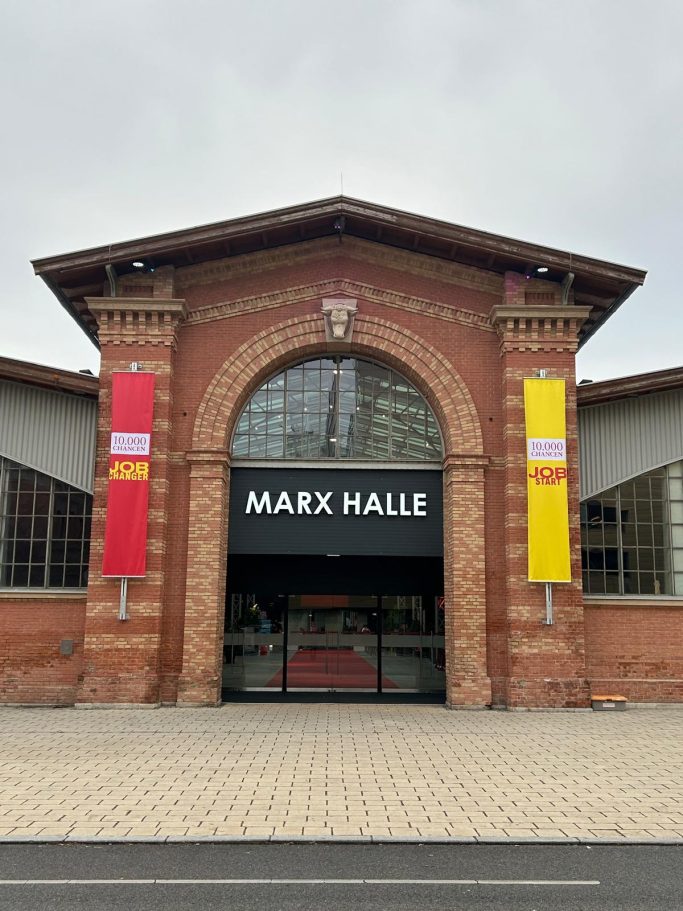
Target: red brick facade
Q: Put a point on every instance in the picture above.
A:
(32, 627)
(212, 332)
(635, 648)
(463, 337)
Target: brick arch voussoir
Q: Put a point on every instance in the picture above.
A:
(237, 377)
(274, 348)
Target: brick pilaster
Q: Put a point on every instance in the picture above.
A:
(546, 664)
(200, 681)
(467, 681)
(121, 658)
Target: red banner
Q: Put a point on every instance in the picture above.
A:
(125, 535)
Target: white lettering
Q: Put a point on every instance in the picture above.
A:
(256, 505)
(303, 502)
(373, 505)
(384, 504)
(284, 504)
(322, 502)
(419, 504)
(350, 501)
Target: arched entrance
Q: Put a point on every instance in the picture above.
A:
(463, 495)
(335, 551)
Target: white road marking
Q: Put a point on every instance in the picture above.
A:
(299, 882)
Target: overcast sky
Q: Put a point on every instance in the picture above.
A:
(553, 121)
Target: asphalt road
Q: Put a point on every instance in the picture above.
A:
(368, 878)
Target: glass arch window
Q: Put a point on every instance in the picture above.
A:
(337, 408)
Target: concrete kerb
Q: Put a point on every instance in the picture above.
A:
(331, 839)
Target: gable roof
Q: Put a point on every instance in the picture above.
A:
(602, 286)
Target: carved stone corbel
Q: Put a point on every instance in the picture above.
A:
(339, 314)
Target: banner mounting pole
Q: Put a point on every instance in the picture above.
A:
(548, 604)
(123, 599)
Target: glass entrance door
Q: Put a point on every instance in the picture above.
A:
(332, 642)
(371, 643)
(412, 651)
(254, 641)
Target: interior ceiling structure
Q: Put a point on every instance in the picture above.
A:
(72, 277)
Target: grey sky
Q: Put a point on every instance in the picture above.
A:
(556, 122)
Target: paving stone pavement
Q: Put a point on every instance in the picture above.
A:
(340, 771)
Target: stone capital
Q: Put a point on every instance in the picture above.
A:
(454, 462)
(539, 328)
(208, 463)
(137, 320)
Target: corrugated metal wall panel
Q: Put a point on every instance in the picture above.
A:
(53, 432)
(622, 439)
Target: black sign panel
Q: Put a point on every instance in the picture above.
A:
(336, 511)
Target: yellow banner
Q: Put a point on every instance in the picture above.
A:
(546, 442)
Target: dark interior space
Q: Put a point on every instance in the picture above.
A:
(273, 574)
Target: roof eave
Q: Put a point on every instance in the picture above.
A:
(71, 309)
(609, 312)
(55, 378)
(624, 387)
(606, 284)
(336, 205)
(186, 237)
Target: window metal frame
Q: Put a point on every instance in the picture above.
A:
(668, 572)
(8, 521)
(332, 430)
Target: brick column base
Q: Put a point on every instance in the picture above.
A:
(468, 693)
(190, 694)
(124, 689)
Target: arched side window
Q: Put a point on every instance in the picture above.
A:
(337, 408)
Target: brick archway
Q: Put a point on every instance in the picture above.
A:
(298, 338)
(464, 461)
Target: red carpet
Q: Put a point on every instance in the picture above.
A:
(318, 668)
